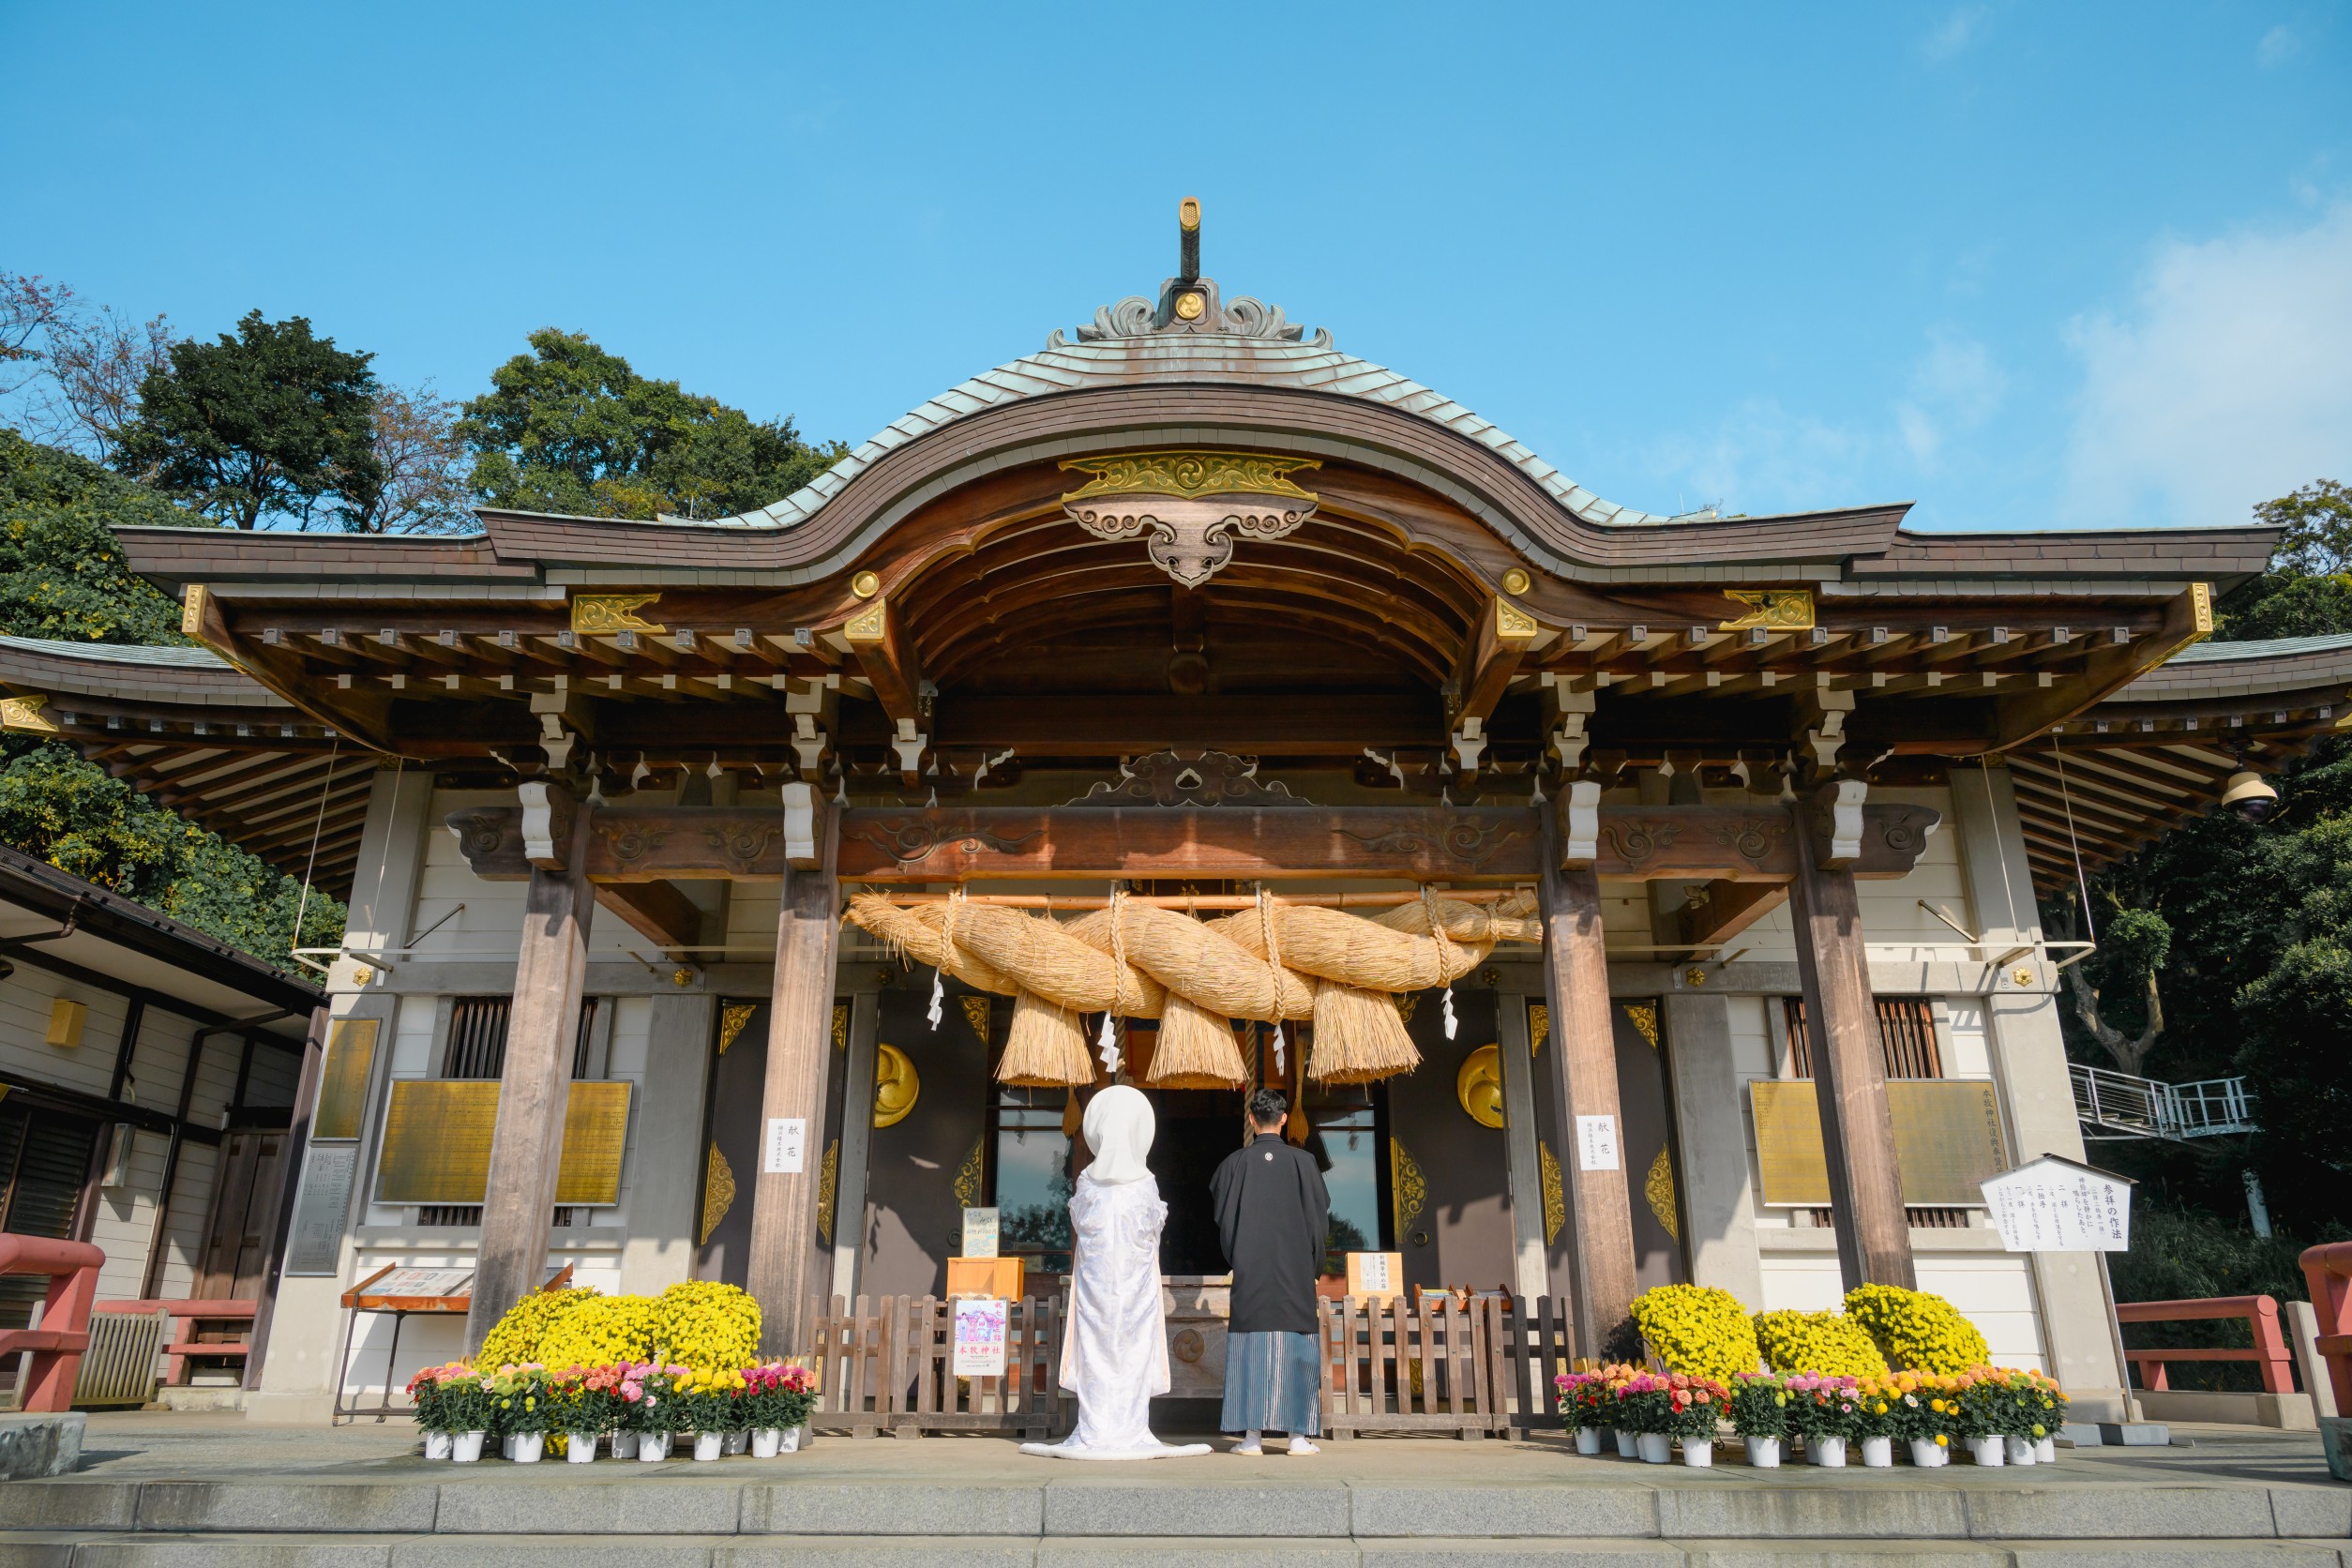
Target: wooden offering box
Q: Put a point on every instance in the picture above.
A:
(989, 1278)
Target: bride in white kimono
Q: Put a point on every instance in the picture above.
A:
(1114, 1350)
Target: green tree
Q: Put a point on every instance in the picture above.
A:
(61, 575)
(2308, 590)
(268, 422)
(572, 427)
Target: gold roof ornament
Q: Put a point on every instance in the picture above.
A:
(1190, 505)
(1773, 608)
(24, 713)
(600, 614)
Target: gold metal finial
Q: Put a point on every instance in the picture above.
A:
(1188, 214)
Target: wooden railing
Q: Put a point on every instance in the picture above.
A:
(887, 1365)
(2328, 1270)
(1435, 1367)
(2260, 1313)
(191, 1319)
(57, 1345)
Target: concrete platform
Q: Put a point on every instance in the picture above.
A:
(166, 1490)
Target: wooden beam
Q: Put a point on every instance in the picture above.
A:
(527, 1141)
(786, 1271)
(1580, 1075)
(1720, 910)
(1873, 1238)
(656, 909)
(1489, 661)
(886, 654)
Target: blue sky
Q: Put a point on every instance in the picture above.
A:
(2030, 265)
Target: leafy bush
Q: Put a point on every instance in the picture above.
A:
(1917, 1330)
(1696, 1330)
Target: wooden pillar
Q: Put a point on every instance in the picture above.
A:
(1873, 1235)
(1582, 1079)
(787, 1268)
(527, 1143)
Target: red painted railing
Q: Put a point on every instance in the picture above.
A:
(192, 1317)
(2328, 1270)
(72, 1270)
(2261, 1313)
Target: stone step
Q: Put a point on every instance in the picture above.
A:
(406, 1498)
(305, 1549)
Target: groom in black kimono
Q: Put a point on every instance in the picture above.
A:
(1274, 1217)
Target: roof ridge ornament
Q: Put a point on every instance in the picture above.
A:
(1190, 304)
(1189, 506)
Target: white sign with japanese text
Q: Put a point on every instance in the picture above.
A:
(2056, 1205)
(980, 1334)
(787, 1146)
(1596, 1143)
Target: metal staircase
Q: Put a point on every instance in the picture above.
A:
(2115, 1104)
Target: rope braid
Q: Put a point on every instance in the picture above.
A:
(1445, 951)
(1266, 930)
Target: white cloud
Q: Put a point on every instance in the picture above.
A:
(2277, 47)
(2228, 380)
(1955, 387)
(1955, 31)
(1763, 458)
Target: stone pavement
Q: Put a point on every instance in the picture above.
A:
(182, 1491)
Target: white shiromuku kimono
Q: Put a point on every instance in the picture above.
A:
(1114, 1347)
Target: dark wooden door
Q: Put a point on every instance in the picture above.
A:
(246, 1196)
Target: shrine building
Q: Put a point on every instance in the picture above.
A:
(1252, 666)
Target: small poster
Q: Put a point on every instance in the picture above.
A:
(980, 1233)
(2053, 1205)
(1376, 1274)
(787, 1146)
(980, 1334)
(1596, 1143)
(315, 1242)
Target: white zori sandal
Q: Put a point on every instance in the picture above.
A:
(1300, 1445)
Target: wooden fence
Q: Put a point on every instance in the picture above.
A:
(886, 1365)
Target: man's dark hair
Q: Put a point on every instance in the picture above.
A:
(1268, 1107)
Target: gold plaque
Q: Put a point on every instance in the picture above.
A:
(437, 1136)
(865, 585)
(24, 713)
(2201, 607)
(868, 624)
(896, 1086)
(1515, 581)
(600, 613)
(1479, 1086)
(351, 1058)
(1191, 473)
(1947, 1141)
(1775, 609)
(192, 612)
(1512, 624)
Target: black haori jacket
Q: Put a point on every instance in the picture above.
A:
(1273, 1215)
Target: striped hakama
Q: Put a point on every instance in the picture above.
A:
(1270, 1384)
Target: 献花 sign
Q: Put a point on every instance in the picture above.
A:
(2054, 1204)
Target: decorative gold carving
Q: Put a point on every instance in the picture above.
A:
(1659, 1190)
(732, 1019)
(1512, 624)
(976, 1015)
(351, 1057)
(24, 713)
(1539, 1026)
(828, 1185)
(437, 1141)
(1188, 778)
(1516, 582)
(604, 614)
(718, 1194)
(840, 1026)
(869, 625)
(192, 610)
(1189, 306)
(896, 1086)
(1773, 608)
(2201, 607)
(1947, 1141)
(1644, 1015)
(865, 585)
(1408, 1189)
(1191, 473)
(1479, 1086)
(968, 1175)
(1555, 1194)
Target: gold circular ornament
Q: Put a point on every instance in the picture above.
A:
(1694, 975)
(865, 585)
(1480, 1086)
(1189, 306)
(1515, 581)
(896, 1086)
(361, 975)
(681, 976)
(2022, 974)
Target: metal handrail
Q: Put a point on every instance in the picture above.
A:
(2145, 1108)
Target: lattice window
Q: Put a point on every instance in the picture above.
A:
(1906, 1037)
(477, 1036)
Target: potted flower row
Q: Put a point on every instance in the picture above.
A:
(2000, 1416)
(645, 1406)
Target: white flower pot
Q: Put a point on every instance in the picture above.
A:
(580, 1449)
(765, 1441)
(2020, 1449)
(1699, 1453)
(1628, 1443)
(1926, 1452)
(796, 1438)
(2045, 1450)
(506, 1444)
(709, 1445)
(465, 1448)
(1985, 1450)
(1587, 1440)
(530, 1447)
(1655, 1448)
(1829, 1452)
(738, 1442)
(436, 1445)
(624, 1445)
(1763, 1453)
(1877, 1452)
(651, 1446)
